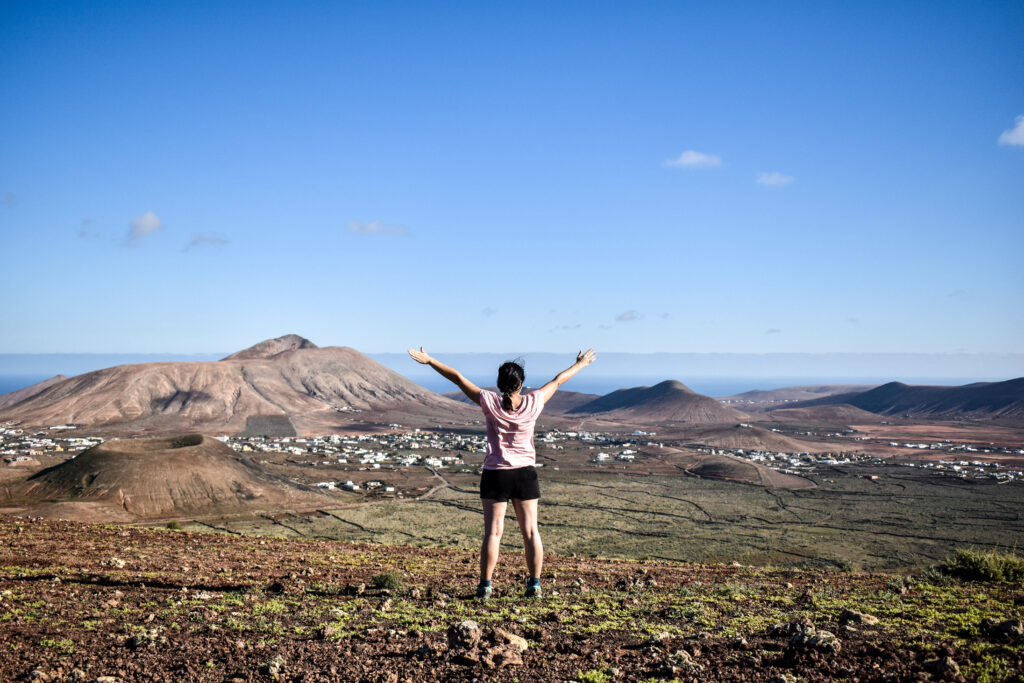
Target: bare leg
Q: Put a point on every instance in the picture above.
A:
(526, 515)
(494, 526)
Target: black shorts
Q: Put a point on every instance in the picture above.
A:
(520, 483)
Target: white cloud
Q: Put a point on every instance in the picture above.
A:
(774, 179)
(205, 239)
(143, 225)
(694, 159)
(627, 316)
(1014, 136)
(375, 228)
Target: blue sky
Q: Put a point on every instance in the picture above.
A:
(638, 177)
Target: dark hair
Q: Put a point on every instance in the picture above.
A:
(510, 378)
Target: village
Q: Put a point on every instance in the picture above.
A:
(438, 450)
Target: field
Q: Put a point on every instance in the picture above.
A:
(903, 519)
(81, 602)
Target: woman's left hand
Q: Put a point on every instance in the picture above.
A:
(420, 356)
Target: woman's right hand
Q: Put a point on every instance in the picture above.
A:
(585, 358)
(420, 356)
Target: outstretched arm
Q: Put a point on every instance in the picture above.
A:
(582, 361)
(449, 373)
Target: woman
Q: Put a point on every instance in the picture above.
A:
(509, 472)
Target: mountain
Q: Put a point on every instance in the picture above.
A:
(288, 380)
(561, 402)
(978, 400)
(162, 477)
(272, 347)
(767, 399)
(29, 391)
(668, 401)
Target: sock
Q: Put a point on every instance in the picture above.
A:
(485, 584)
(535, 581)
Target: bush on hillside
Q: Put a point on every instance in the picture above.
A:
(391, 581)
(985, 565)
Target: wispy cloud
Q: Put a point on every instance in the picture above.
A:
(627, 316)
(488, 312)
(1015, 135)
(375, 228)
(143, 225)
(201, 240)
(691, 158)
(774, 179)
(773, 330)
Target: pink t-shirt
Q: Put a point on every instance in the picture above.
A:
(510, 435)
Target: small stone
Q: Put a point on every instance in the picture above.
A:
(464, 635)
(518, 643)
(274, 666)
(942, 667)
(1011, 628)
(326, 631)
(740, 642)
(786, 585)
(849, 616)
(108, 679)
(659, 639)
(385, 605)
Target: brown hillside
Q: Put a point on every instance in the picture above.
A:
(271, 347)
(314, 388)
(29, 391)
(767, 399)
(668, 401)
(750, 438)
(162, 477)
(841, 414)
(729, 468)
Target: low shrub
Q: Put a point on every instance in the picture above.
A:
(390, 580)
(985, 565)
(174, 526)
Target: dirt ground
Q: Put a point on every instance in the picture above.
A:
(106, 603)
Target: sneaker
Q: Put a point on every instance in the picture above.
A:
(483, 592)
(532, 592)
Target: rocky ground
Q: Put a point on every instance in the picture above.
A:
(112, 603)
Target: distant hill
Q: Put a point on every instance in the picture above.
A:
(978, 400)
(29, 391)
(668, 401)
(284, 379)
(839, 414)
(162, 477)
(749, 437)
(561, 402)
(767, 399)
(272, 347)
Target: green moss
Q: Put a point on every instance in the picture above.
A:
(62, 646)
